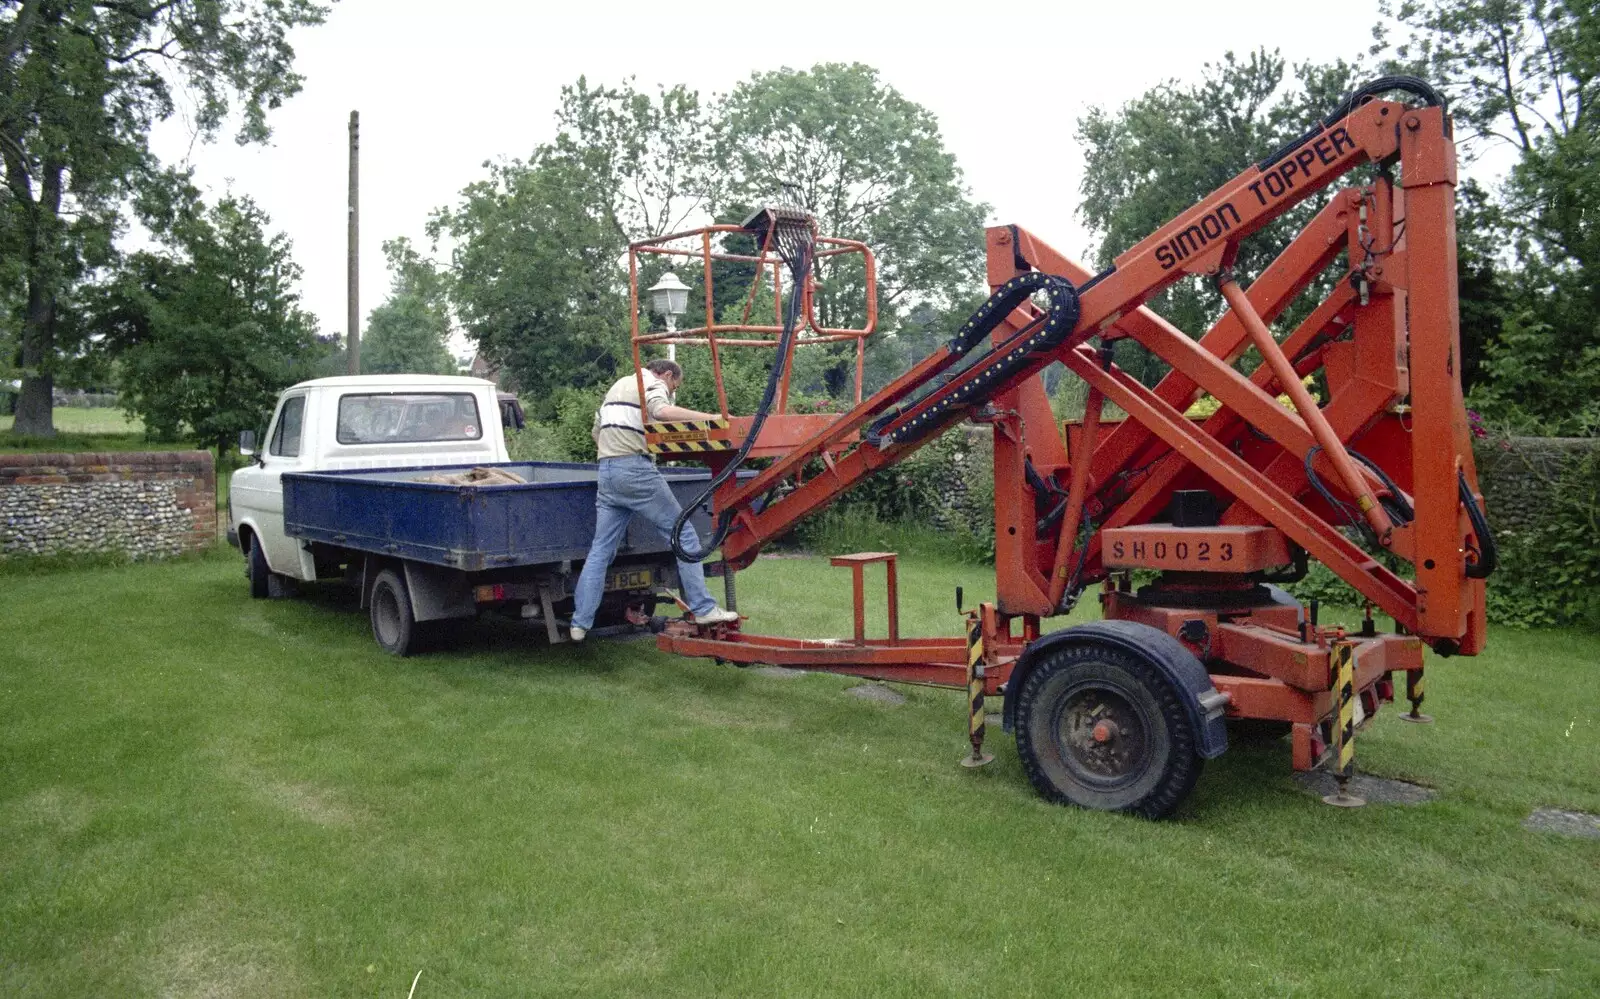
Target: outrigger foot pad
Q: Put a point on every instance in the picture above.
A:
(977, 760)
(1417, 718)
(1342, 798)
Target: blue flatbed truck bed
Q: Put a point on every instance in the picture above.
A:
(427, 551)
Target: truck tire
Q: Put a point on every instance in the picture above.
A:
(1101, 728)
(393, 627)
(255, 569)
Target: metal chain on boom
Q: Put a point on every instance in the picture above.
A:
(1057, 323)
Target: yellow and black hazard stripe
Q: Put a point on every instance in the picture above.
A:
(975, 677)
(1344, 687)
(675, 427)
(1414, 688)
(689, 447)
(686, 436)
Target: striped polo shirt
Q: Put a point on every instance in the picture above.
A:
(619, 424)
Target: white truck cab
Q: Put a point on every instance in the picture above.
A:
(358, 421)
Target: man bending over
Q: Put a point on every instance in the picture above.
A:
(630, 483)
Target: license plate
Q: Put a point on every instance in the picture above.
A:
(631, 579)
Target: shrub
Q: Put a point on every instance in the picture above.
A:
(574, 426)
(905, 502)
(537, 442)
(910, 491)
(1322, 585)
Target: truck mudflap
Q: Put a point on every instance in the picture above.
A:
(437, 593)
(1205, 704)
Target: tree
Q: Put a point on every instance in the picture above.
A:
(12, 301)
(1483, 286)
(1514, 70)
(81, 84)
(1522, 75)
(648, 161)
(650, 155)
(1164, 151)
(536, 272)
(871, 165)
(539, 246)
(208, 334)
(536, 277)
(407, 333)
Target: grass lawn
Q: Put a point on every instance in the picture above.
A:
(204, 795)
(79, 429)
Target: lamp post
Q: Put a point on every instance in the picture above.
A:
(670, 298)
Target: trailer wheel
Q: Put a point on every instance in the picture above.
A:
(392, 624)
(1100, 728)
(255, 569)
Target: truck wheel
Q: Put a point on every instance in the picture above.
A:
(255, 569)
(392, 624)
(1100, 728)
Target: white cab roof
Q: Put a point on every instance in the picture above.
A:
(397, 381)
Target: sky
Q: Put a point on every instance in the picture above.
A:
(444, 87)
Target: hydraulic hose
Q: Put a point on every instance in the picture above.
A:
(799, 267)
(1415, 86)
(1488, 559)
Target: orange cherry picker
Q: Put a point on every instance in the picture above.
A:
(1121, 713)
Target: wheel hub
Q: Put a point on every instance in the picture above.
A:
(1103, 737)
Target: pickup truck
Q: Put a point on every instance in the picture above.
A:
(401, 485)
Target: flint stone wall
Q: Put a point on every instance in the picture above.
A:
(141, 504)
(1518, 476)
(958, 504)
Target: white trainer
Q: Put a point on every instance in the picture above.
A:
(720, 615)
(576, 634)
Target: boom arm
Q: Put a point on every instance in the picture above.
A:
(1389, 329)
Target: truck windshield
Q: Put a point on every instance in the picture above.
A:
(399, 418)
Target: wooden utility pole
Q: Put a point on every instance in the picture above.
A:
(353, 275)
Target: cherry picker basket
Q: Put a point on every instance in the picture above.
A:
(777, 254)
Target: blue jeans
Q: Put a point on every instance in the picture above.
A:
(628, 486)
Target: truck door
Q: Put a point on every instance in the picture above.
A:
(259, 495)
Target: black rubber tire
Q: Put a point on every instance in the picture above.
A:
(255, 569)
(393, 627)
(1147, 767)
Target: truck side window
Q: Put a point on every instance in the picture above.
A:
(286, 437)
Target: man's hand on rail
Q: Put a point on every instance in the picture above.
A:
(679, 413)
